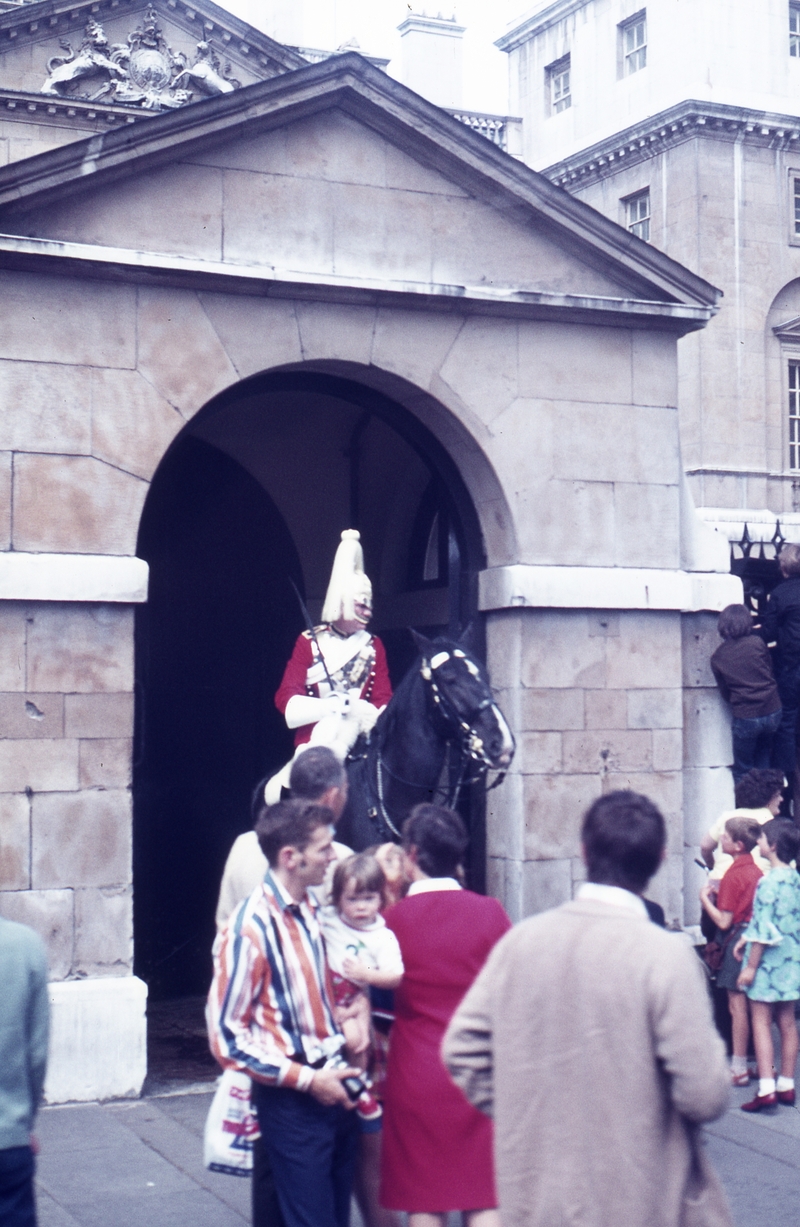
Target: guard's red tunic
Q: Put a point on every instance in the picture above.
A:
(377, 688)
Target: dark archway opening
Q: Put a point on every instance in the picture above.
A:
(256, 491)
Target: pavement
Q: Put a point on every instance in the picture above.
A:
(139, 1163)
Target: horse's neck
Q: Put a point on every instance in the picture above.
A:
(415, 749)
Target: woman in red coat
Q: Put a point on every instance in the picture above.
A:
(437, 1148)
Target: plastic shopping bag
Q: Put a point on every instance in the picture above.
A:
(231, 1127)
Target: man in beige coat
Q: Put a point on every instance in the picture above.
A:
(588, 1037)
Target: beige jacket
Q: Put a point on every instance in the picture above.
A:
(588, 1036)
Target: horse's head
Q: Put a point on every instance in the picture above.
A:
(462, 694)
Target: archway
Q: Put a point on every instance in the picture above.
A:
(255, 491)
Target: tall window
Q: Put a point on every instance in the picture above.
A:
(558, 85)
(634, 43)
(794, 30)
(637, 214)
(796, 203)
(794, 414)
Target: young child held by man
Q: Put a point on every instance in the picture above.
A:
(362, 954)
(730, 906)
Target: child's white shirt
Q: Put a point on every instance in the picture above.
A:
(376, 945)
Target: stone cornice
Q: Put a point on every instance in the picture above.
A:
(72, 577)
(543, 19)
(423, 131)
(203, 20)
(526, 586)
(679, 123)
(33, 108)
(151, 268)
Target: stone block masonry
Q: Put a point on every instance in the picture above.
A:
(597, 700)
(66, 723)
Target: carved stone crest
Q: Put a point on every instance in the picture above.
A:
(143, 72)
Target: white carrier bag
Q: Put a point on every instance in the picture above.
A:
(231, 1127)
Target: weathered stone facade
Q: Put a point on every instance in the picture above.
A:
(160, 283)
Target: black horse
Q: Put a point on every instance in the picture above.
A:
(441, 722)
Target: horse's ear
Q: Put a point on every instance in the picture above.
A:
(423, 645)
(470, 639)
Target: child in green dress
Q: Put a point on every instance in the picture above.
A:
(771, 972)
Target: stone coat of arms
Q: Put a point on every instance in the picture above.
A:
(144, 71)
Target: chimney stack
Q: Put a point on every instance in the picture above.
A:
(432, 58)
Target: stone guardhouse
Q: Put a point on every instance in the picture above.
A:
(238, 318)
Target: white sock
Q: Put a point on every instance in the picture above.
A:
(766, 1086)
(738, 1064)
(785, 1084)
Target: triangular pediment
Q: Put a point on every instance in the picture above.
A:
(337, 171)
(789, 330)
(87, 51)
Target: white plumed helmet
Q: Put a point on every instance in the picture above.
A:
(348, 582)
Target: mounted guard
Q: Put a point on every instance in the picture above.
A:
(337, 681)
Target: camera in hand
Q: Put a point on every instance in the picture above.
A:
(353, 1084)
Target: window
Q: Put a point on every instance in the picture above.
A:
(558, 84)
(637, 214)
(794, 30)
(634, 43)
(796, 202)
(794, 414)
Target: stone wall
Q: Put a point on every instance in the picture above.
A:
(596, 700)
(66, 722)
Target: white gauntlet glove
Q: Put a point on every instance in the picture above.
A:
(366, 714)
(303, 709)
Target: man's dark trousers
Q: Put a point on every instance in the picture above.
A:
(265, 1208)
(312, 1152)
(16, 1187)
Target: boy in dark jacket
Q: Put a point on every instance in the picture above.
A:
(743, 670)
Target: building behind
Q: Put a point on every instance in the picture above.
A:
(682, 123)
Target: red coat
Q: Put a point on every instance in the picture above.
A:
(437, 1148)
(377, 689)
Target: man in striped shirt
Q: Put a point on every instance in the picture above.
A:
(270, 1012)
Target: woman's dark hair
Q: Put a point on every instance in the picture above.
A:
(363, 869)
(440, 838)
(757, 788)
(734, 622)
(289, 824)
(784, 837)
(624, 836)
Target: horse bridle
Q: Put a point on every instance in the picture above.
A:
(470, 744)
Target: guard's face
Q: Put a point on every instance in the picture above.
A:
(362, 608)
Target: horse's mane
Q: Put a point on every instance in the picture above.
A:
(389, 717)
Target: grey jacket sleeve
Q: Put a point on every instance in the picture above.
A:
(467, 1045)
(38, 1025)
(686, 1042)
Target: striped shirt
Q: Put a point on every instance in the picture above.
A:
(270, 1003)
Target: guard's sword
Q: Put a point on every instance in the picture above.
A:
(312, 633)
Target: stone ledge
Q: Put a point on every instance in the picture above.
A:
(72, 577)
(534, 587)
(98, 1039)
